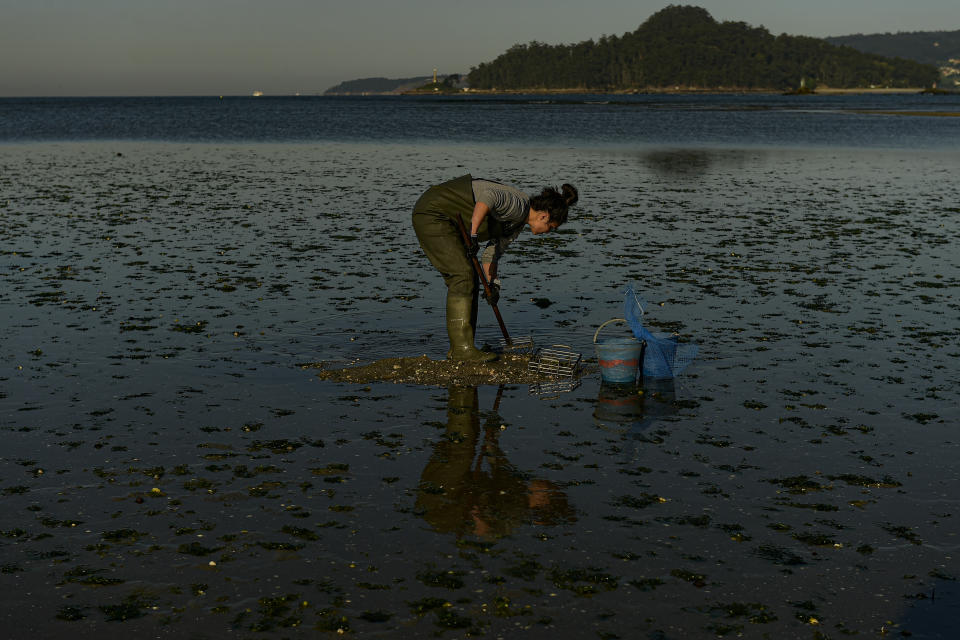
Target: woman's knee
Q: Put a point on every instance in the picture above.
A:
(460, 284)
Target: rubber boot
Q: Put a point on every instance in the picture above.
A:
(460, 331)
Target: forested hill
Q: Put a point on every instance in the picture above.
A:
(931, 47)
(683, 46)
(376, 85)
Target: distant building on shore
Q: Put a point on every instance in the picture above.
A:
(951, 71)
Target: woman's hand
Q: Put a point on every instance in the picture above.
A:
(494, 296)
(490, 271)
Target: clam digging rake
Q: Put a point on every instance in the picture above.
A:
(516, 345)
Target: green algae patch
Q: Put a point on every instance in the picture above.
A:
(509, 368)
(646, 584)
(753, 612)
(198, 327)
(300, 532)
(641, 501)
(798, 484)
(525, 570)
(277, 612)
(815, 539)
(447, 579)
(583, 582)
(90, 577)
(122, 535)
(815, 506)
(902, 532)
(778, 555)
(130, 608)
(425, 605)
(449, 619)
(696, 579)
(864, 481)
(196, 549)
(71, 614)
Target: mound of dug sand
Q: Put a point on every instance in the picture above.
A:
(507, 369)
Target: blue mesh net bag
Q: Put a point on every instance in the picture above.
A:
(665, 356)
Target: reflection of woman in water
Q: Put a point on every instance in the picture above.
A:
(463, 490)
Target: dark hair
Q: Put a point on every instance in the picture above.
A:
(555, 203)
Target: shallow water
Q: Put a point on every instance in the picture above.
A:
(904, 121)
(169, 468)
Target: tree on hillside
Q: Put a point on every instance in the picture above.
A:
(684, 45)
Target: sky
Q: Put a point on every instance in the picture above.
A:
(282, 47)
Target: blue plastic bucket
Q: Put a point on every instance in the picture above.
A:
(619, 358)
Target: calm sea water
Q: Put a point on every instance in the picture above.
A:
(892, 121)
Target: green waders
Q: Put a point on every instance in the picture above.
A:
(435, 225)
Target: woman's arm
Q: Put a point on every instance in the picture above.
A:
(480, 212)
(490, 270)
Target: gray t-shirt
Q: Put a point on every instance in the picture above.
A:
(509, 206)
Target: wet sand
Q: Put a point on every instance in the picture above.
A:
(170, 467)
(508, 368)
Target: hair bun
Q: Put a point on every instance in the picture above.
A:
(570, 194)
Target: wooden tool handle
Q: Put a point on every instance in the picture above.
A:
(483, 279)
